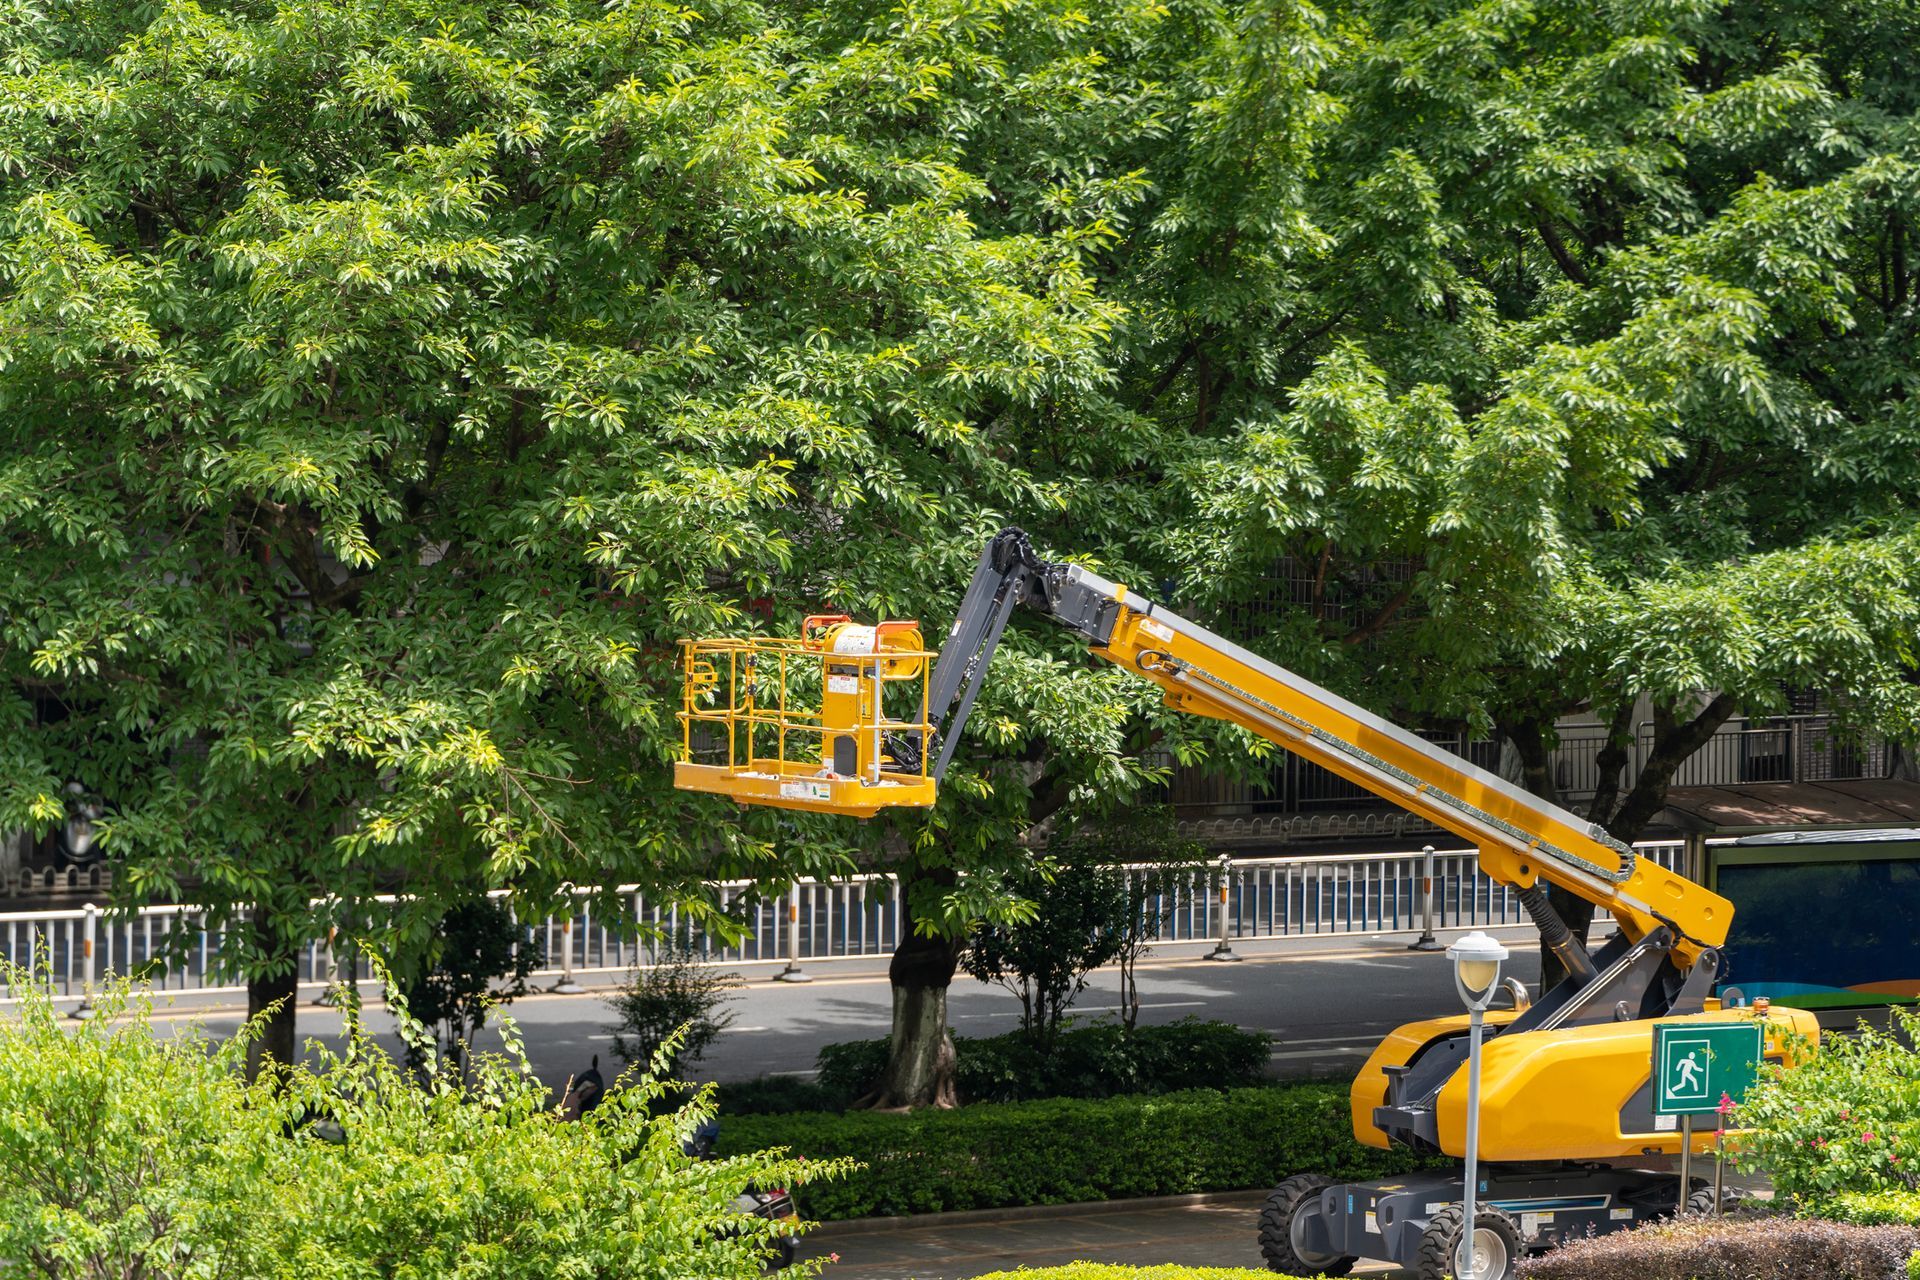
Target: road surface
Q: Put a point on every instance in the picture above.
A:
(1326, 1002)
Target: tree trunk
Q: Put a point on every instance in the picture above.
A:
(920, 1059)
(275, 986)
(1611, 762)
(1529, 738)
(1674, 741)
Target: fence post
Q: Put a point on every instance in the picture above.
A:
(1426, 941)
(88, 931)
(792, 972)
(566, 986)
(1693, 858)
(1224, 949)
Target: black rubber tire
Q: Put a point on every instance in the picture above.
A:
(1440, 1241)
(786, 1251)
(1276, 1230)
(1701, 1201)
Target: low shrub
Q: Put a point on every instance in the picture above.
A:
(1065, 1150)
(1109, 1271)
(1845, 1119)
(847, 1070)
(127, 1152)
(678, 1000)
(1870, 1208)
(1100, 1060)
(1696, 1248)
(1078, 923)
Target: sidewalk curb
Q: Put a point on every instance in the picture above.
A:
(1025, 1213)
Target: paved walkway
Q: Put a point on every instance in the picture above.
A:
(1217, 1231)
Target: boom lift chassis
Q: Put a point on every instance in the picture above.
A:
(1569, 1143)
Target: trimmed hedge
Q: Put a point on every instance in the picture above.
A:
(1100, 1060)
(1108, 1271)
(1066, 1150)
(777, 1096)
(1698, 1248)
(1870, 1208)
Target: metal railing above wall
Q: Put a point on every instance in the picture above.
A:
(813, 922)
(1796, 748)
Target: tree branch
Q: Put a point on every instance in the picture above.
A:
(1898, 252)
(1569, 265)
(1611, 760)
(1165, 380)
(1374, 625)
(1673, 742)
(1319, 596)
(422, 489)
(1528, 734)
(1312, 335)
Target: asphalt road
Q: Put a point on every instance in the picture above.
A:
(1326, 1001)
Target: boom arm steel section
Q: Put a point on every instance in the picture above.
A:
(1522, 839)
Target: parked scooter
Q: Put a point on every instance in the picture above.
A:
(775, 1204)
(584, 1092)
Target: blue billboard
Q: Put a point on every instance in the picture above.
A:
(1823, 920)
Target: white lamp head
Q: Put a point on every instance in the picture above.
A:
(1476, 968)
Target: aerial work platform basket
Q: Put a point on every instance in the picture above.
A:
(831, 721)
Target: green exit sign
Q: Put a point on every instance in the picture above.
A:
(1695, 1064)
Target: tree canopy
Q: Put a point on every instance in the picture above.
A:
(385, 388)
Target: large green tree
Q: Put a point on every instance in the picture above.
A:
(1506, 361)
(1593, 391)
(385, 388)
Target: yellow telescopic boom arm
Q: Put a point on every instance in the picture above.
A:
(1522, 839)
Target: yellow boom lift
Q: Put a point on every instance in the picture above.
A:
(850, 719)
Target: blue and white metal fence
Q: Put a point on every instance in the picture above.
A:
(813, 922)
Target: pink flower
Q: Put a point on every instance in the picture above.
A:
(1726, 1105)
(1867, 1136)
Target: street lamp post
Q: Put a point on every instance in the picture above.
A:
(1476, 972)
